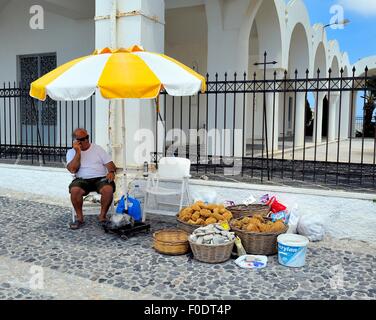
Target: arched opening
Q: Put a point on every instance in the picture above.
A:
(334, 108)
(293, 128)
(345, 110)
(364, 107)
(298, 51)
(325, 116)
(264, 36)
(321, 109)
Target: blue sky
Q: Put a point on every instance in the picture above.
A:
(359, 37)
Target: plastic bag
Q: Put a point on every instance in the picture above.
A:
(252, 261)
(228, 203)
(281, 215)
(240, 248)
(311, 227)
(134, 208)
(119, 221)
(293, 220)
(251, 199)
(273, 203)
(205, 195)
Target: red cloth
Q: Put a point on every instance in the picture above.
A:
(275, 206)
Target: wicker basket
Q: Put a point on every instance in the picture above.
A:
(210, 253)
(186, 226)
(171, 242)
(257, 242)
(243, 210)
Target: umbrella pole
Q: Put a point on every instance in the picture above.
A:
(109, 128)
(124, 136)
(157, 117)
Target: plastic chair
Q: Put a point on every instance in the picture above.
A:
(89, 213)
(170, 169)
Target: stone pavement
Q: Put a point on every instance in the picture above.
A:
(89, 264)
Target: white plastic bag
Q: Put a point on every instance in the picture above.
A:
(205, 195)
(293, 220)
(118, 221)
(251, 199)
(312, 227)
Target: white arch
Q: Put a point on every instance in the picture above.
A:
(361, 65)
(320, 61)
(269, 27)
(268, 16)
(320, 50)
(299, 60)
(244, 32)
(299, 51)
(334, 57)
(334, 112)
(297, 24)
(335, 67)
(346, 65)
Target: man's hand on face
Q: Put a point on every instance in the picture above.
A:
(77, 146)
(110, 176)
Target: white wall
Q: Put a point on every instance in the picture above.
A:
(186, 36)
(67, 37)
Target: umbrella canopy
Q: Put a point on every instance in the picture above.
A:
(118, 74)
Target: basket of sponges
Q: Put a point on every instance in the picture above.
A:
(213, 243)
(258, 234)
(201, 214)
(245, 210)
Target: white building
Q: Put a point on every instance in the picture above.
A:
(211, 35)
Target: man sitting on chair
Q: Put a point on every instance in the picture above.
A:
(94, 171)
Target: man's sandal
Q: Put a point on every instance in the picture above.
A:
(76, 225)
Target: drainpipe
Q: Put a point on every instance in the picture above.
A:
(113, 30)
(113, 24)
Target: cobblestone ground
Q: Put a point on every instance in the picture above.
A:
(89, 264)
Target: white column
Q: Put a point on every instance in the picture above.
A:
(220, 60)
(102, 39)
(333, 120)
(299, 118)
(220, 39)
(345, 115)
(317, 130)
(352, 113)
(145, 27)
(272, 126)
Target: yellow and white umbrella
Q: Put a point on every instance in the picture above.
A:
(118, 74)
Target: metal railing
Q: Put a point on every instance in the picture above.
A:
(247, 129)
(242, 128)
(34, 132)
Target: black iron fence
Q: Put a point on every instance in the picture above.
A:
(267, 127)
(282, 128)
(34, 132)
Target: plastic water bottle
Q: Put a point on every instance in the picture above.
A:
(146, 169)
(135, 191)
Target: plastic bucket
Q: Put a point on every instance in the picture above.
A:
(292, 249)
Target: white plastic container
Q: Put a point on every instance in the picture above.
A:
(292, 250)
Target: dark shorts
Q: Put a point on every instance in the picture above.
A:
(91, 185)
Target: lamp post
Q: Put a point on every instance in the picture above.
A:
(343, 22)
